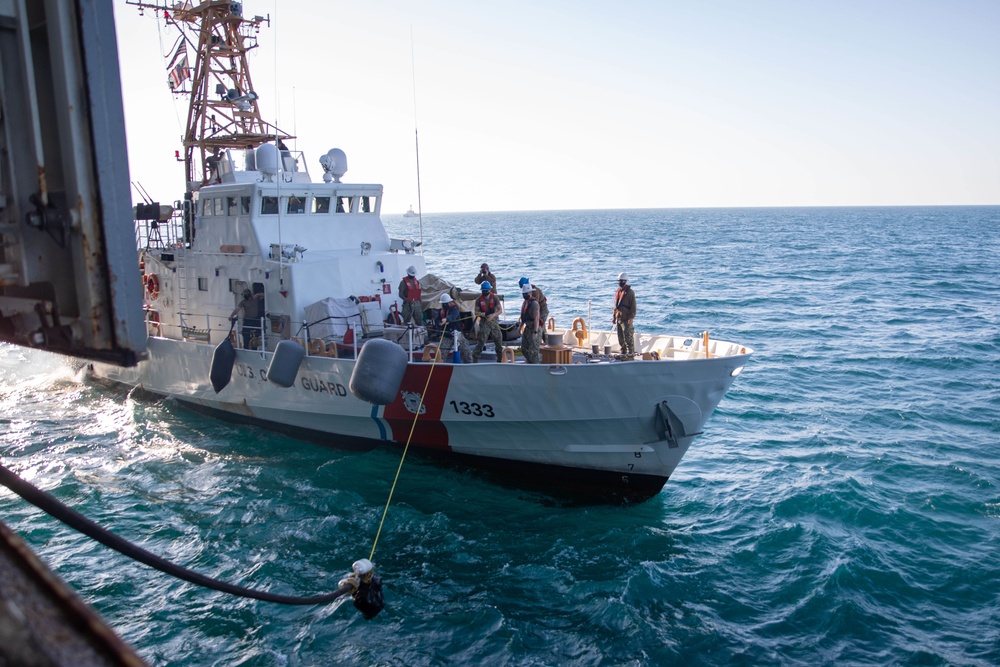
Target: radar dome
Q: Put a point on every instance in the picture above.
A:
(267, 160)
(334, 165)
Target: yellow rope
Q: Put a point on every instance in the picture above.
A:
(437, 355)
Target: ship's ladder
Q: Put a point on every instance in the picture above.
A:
(182, 285)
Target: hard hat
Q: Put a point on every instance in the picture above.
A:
(523, 281)
(445, 298)
(411, 270)
(487, 285)
(525, 289)
(622, 276)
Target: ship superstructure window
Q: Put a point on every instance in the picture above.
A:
(296, 204)
(202, 284)
(206, 207)
(232, 206)
(366, 205)
(269, 205)
(343, 205)
(321, 205)
(244, 205)
(220, 206)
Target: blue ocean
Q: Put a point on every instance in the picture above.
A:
(841, 508)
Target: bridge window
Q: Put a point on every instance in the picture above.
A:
(367, 205)
(206, 207)
(269, 205)
(220, 206)
(232, 206)
(244, 205)
(296, 204)
(321, 205)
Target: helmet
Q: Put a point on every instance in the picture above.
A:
(411, 270)
(523, 281)
(487, 285)
(445, 298)
(526, 289)
(623, 276)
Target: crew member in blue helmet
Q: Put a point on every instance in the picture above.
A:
(487, 312)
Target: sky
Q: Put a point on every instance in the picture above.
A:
(560, 105)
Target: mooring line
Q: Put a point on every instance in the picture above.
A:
(406, 448)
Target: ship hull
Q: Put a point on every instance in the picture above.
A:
(587, 430)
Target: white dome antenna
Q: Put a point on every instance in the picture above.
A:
(334, 165)
(267, 161)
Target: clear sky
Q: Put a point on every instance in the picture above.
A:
(557, 104)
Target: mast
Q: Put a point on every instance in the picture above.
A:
(223, 111)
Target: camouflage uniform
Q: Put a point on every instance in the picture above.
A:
(488, 329)
(412, 308)
(624, 313)
(530, 336)
(448, 342)
(543, 307)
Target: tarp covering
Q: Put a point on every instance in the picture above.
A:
(331, 317)
(432, 287)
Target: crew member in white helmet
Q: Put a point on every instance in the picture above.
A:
(623, 314)
(451, 328)
(409, 292)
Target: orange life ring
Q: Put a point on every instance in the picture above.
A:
(430, 352)
(317, 348)
(153, 319)
(153, 286)
(581, 331)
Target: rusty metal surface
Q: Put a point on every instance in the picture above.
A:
(44, 623)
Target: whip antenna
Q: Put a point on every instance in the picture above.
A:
(416, 136)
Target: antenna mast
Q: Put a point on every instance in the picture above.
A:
(223, 112)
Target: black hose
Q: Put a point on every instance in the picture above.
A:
(77, 521)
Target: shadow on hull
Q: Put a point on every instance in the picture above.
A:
(558, 485)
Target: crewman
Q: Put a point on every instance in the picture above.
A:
(409, 292)
(531, 332)
(623, 314)
(543, 302)
(451, 327)
(485, 275)
(487, 311)
(252, 306)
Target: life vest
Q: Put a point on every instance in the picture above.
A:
(487, 304)
(412, 288)
(524, 311)
(619, 295)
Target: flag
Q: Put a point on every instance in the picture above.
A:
(179, 74)
(178, 51)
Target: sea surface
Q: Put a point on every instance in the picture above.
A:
(841, 508)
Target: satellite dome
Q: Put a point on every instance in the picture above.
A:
(267, 160)
(334, 165)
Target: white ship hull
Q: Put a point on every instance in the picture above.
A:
(593, 428)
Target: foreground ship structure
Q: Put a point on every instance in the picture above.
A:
(315, 253)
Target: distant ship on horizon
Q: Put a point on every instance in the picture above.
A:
(411, 213)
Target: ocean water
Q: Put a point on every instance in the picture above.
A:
(841, 508)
